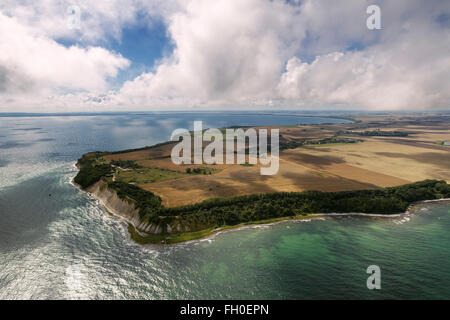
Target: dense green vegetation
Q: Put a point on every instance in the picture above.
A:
(201, 170)
(332, 140)
(144, 148)
(92, 169)
(379, 133)
(125, 164)
(243, 209)
(221, 212)
(292, 144)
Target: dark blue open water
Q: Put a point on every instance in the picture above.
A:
(65, 246)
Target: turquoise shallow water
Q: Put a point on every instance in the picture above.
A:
(65, 246)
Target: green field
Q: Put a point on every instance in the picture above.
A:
(146, 175)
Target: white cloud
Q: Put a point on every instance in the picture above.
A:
(235, 52)
(32, 64)
(407, 68)
(225, 50)
(100, 20)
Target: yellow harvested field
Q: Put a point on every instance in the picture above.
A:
(380, 160)
(238, 180)
(404, 162)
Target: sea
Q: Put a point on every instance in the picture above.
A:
(57, 242)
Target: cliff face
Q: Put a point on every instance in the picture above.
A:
(121, 207)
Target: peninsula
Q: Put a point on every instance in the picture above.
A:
(376, 165)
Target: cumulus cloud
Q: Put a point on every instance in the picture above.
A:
(101, 20)
(31, 64)
(313, 53)
(407, 67)
(225, 50)
(236, 52)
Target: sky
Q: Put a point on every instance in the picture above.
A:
(84, 55)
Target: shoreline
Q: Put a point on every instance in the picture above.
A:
(109, 210)
(312, 216)
(308, 217)
(143, 237)
(412, 205)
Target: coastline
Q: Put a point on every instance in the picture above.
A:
(143, 233)
(130, 217)
(208, 233)
(412, 205)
